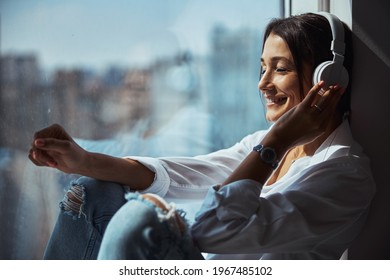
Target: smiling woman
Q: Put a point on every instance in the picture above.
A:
(299, 202)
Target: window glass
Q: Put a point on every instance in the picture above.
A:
(148, 78)
(341, 8)
(303, 6)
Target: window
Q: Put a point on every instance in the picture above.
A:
(148, 78)
(341, 8)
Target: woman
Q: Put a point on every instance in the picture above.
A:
(300, 190)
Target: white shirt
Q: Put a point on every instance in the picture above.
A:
(313, 212)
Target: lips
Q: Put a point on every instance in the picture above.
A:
(275, 100)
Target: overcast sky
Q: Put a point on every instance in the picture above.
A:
(95, 33)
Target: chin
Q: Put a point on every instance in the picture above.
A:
(273, 114)
(272, 117)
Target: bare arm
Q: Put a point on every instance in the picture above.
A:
(53, 147)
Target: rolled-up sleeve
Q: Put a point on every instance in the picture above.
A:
(161, 181)
(191, 177)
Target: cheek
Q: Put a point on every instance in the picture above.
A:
(290, 87)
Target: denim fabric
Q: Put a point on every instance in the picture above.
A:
(140, 230)
(132, 229)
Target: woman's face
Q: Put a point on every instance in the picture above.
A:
(279, 82)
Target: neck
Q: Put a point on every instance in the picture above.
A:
(310, 148)
(301, 151)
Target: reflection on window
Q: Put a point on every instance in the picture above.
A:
(150, 78)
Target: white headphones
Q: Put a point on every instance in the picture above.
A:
(333, 72)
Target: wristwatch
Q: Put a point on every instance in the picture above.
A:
(267, 155)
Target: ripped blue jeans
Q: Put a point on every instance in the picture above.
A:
(103, 220)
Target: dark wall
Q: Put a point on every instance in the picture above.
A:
(370, 118)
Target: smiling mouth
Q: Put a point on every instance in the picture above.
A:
(276, 100)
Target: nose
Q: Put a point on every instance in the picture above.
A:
(265, 83)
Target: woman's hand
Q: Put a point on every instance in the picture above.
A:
(306, 121)
(53, 147)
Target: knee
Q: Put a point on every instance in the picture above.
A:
(143, 229)
(87, 194)
(132, 233)
(73, 200)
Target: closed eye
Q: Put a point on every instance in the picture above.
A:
(278, 70)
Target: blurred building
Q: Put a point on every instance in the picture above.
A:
(20, 99)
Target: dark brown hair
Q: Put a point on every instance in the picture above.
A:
(308, 37)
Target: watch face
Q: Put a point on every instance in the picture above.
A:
(268, 155)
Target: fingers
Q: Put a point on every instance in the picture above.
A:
(44, 151)
(53, 131)
(33, 158)
(51, 144)
(329, 100)
(48, 145)
(41, 158)
(313, 94)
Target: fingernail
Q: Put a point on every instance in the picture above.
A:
(52, 163)
(321, 83)
(39, 142)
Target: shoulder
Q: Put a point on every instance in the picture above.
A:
(345, 178)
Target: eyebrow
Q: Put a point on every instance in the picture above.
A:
(280, 58)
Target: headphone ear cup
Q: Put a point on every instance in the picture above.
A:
(324, 72)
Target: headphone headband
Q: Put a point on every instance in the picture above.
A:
(337, 46)
(333, 72)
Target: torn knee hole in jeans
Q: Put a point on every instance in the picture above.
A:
(167, 212)
(73, 201)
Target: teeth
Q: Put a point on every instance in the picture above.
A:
(275, 100)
